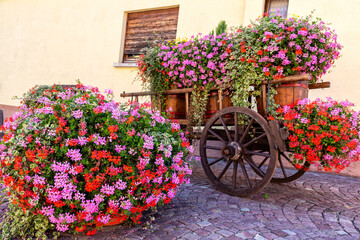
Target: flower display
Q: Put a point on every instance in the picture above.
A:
(197, 61)
(273, 47)
(73, 157)
(323, 133)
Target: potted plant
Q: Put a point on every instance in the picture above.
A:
(198, 63)
(273, 47)
(322, 133)
(72, 158)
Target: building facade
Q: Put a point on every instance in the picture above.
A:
(44, 42)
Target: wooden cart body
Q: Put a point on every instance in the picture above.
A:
(227, 145)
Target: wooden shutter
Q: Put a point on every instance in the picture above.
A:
(145, 27)
(280, 5)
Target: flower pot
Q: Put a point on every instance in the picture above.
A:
(177, 104)
(287, 93)
(213, 104)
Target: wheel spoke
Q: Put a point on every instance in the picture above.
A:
(287, 158)
(217, 160)
(246, 130)
(254, 140)
(212, 147)
(224, 170)
(226, 129)
(257, 153)
(217, 136)
(236, 137)
(234, 175)
(242, 165)
(256, 168)
(282, 167)
(260, 165)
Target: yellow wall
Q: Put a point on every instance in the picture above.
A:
(46, 42)
(345, 19)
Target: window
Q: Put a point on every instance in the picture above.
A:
(144, 27)
(277, 5)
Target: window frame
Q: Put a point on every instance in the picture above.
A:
(267, 6)
(121, 62)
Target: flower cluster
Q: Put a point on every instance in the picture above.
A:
(197, 61)
(273, 47)
(279, 47)
(324, 133)
(74, 157)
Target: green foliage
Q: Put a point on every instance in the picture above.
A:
(199, 98)
(220, 28)
(24, 224)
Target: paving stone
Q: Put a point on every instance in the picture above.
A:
(203, 223)
(291, 233)
(202, 232)
(191, 236)
(259, 237)
(243, 235)
(225, 233)
(215, 236)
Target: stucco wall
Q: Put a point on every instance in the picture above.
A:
(45, 42)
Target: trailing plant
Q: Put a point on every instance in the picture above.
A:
(199, 99)
(73, 159)
(323, 133)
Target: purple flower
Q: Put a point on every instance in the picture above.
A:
(108, 190)
(77, 114)
(74, 154)
(120, 185)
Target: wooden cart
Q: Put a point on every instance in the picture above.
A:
(239, 148)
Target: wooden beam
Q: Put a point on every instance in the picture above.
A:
(319, 85)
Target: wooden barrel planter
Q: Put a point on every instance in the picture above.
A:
(287, 93)
(177, 103)
(214, 104)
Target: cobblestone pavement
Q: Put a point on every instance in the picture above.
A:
(316, 206)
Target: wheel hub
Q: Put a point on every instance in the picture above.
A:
(233, 151)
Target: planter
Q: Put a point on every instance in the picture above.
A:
(177, 103)
(214, 104)
(287, 93)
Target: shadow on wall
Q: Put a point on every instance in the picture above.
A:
(6, 111)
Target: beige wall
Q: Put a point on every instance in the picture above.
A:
(345, 19)
(46, 42)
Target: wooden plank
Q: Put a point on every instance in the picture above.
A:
(264, 97)
(144, 27)
(150, 13)
(319, 85)
(189, 90)
(288, 79)
(187, 102)
(220, 99)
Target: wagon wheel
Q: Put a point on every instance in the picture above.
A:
(231, 139)
(288, 172)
